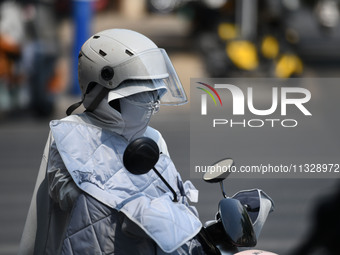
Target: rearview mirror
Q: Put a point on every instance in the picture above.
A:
(219, 171)
(141, 155)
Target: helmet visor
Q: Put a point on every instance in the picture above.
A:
(150, 70)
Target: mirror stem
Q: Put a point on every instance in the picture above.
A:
(222, 189)
(167, 184)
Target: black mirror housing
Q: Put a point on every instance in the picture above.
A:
(141, 155)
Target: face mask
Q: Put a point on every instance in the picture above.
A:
(136, 111)
(132, 117)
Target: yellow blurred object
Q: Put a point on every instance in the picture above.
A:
(243, 54)
(288, 65)
(270, 47)
(227, 31)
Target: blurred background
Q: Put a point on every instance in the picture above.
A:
(39, 45)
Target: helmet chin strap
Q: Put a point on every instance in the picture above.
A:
(103, 92)
(72, 107)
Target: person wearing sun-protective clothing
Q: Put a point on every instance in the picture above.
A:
(85, 201)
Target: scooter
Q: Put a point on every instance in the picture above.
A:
(239, 219)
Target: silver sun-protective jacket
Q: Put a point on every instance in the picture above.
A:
(94, 156)
(138, 211)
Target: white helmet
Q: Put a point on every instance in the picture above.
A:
(125, 62)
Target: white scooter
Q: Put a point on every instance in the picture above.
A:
(239, 219)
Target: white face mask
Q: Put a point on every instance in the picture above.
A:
(136, 111)
(133, 118)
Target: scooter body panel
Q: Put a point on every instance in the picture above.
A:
(236, 223)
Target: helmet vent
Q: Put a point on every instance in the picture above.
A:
(102, 53)
(129, 53)
(96, 37)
